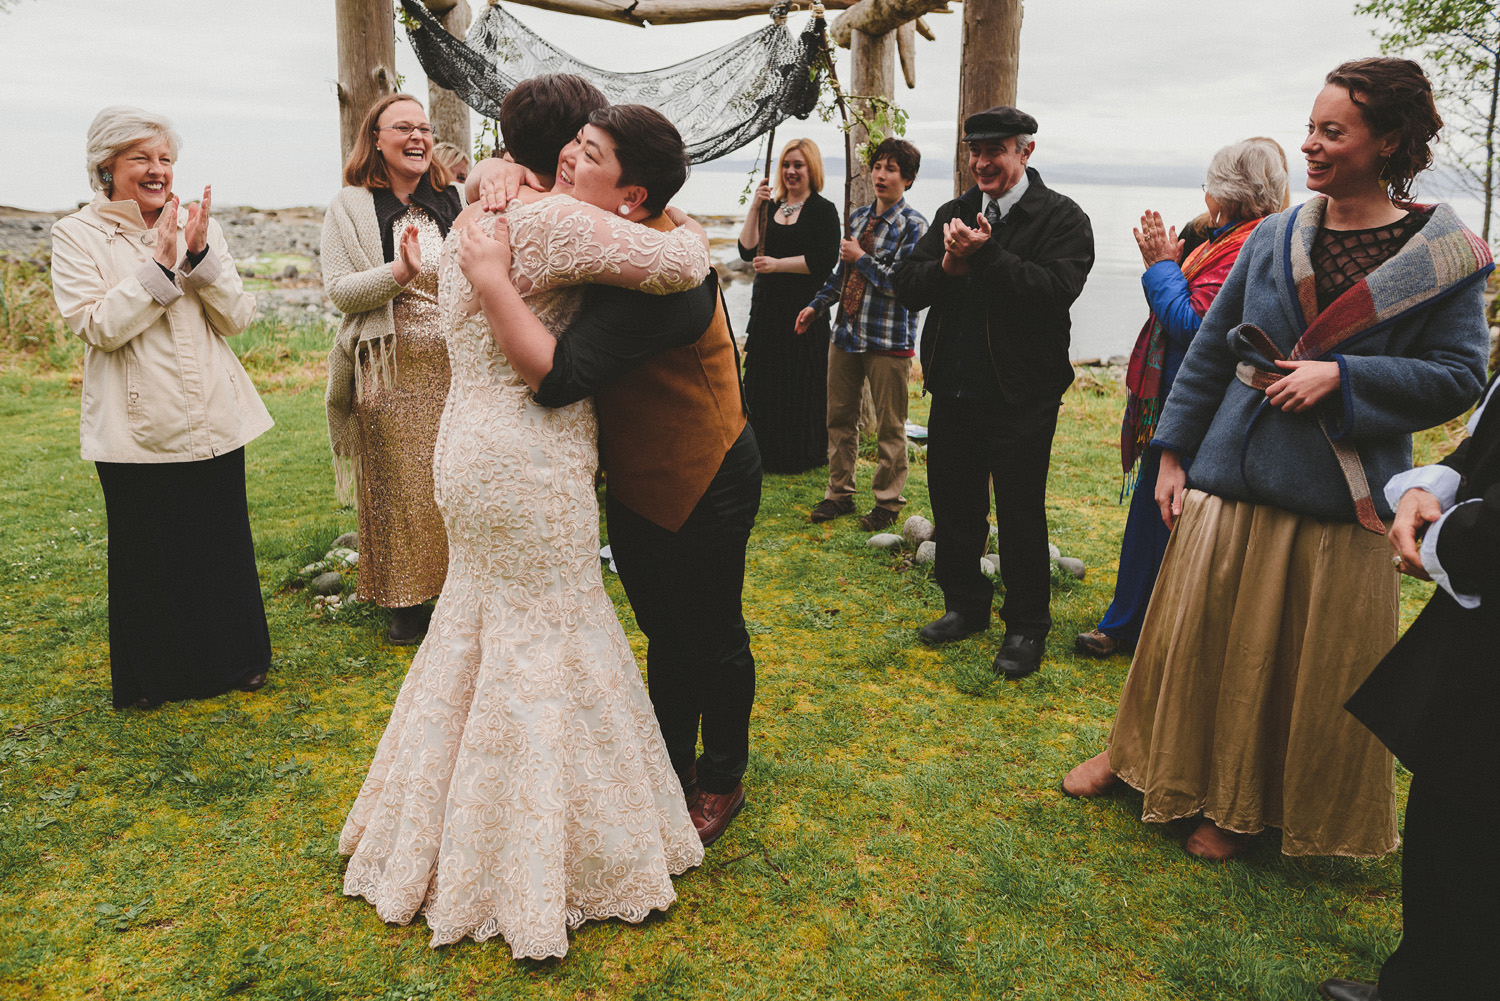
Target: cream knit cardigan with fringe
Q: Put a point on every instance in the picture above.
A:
(358, 280)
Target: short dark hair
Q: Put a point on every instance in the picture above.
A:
(649, 149)
(1394, 95)
(900, 152)
(542, 114)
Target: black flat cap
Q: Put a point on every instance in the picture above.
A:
(998, 123)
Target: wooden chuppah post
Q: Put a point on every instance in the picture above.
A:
(367, 61)
(991, 63)
(449, 113)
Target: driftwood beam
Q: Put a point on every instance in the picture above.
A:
(644, 12)
(923, 30)
(876, 17)
(906, 49)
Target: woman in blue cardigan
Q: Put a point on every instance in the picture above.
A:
(1246, 183)
(1347, 323)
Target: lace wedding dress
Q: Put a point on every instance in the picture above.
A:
(522, 786)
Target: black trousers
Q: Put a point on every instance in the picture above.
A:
(970, 444)
(685, 588)
(1450, 899)
(186, 619)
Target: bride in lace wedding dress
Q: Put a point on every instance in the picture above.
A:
(522, 786)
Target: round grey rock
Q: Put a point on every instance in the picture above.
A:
(1053, 552)
(926, 553)
(1072, 565)
(349, 540)
(885, 540)
(327, 583)
(917, 530)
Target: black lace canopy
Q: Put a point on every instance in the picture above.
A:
(719, 101)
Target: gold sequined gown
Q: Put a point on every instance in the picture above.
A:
(403, 549)
(522, 785)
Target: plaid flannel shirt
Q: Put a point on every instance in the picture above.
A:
(883, 324)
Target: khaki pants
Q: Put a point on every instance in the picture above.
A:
(888, 375)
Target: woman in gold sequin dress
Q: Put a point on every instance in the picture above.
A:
(388, 371)
(522, 786)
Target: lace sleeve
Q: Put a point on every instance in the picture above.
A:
(563, 241)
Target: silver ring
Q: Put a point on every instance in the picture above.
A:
(1396, 561)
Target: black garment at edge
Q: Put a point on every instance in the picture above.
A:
(186, 619)
(685, 586)
(1434, 700)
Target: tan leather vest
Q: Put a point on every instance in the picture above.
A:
(665, 426)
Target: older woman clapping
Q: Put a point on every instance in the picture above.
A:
(166, 413)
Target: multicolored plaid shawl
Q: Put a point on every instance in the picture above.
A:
(1205, 269)
(1435, 263)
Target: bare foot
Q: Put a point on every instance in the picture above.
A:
(1213, 843)
(1092, 778)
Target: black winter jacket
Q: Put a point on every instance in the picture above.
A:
(1029, 273)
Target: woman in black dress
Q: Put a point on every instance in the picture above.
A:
(786, 373)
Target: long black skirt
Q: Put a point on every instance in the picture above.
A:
(186, 619)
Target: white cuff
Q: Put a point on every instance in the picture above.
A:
(1439, 480)
(1430, 558)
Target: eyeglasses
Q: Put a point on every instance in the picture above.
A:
(406, 130)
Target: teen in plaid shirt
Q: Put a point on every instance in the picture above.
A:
(874, 338)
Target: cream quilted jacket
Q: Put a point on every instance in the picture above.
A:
(160, 383)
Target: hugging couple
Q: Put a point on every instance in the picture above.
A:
(526, 782)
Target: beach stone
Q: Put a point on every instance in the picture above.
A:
(1053, 552)
(885, 540)
(327, 583)
(917, 530)
(1072, 565)
(349, 540)
(926, 553)
(343, 555)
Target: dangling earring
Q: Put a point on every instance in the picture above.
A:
(1385, 164)
(624, 210)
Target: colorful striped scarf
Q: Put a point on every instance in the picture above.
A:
(1205, 269)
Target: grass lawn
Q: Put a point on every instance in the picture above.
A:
(905, 836)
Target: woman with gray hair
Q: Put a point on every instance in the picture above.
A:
(1246, 182)
(167, 410)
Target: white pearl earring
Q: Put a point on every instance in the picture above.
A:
(624, 209)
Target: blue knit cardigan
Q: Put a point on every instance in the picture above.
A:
(1420, 362)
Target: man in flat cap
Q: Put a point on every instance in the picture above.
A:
(997, 272)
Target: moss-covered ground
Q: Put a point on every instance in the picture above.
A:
(905, 836)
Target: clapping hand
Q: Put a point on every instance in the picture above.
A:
(166, 235)
(196, 231)
(1157, 242)
(408, 257)
(961, 240)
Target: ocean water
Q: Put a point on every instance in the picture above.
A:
(1107, 316)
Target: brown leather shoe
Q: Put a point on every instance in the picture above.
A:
(827, 510)
(878, 520)
(1097, 644)
(712, 812)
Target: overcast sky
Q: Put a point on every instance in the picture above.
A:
(1140, 84)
